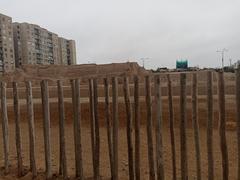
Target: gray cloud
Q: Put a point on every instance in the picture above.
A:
(112, 31)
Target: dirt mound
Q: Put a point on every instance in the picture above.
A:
(53, 72)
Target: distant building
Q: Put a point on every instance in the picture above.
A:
(7, 59)
(36, 45)
(67, 51)
(24, 43)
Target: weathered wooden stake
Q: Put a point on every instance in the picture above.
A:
(92, 121)
(97, 136)
(222, 127)
(46, 128)
(61, 111)
(210, 126)
(109, 124)
(171, 124)
(129, 127)
(17, 129)
(238, 117)
(5, 127)
(158, 130)
(149, 128)
(115, 126)
(183, 137)
(196, 125)
(31, 127)
(77, 128)
(137, 128)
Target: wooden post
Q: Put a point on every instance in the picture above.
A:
(17, 129)
(115, 126)
(92, 121)
(171, 124)
(183, 137)
(210, 126)
(97, 136)
(222, 127)
(149, 128)
(61, 111)
(196, 125)
(137, 128)
(129, 127)
(31, 127)
(158, 130)
(46, 128)
(5, 127)
(238, 116)
(109, 125)
(77, 129)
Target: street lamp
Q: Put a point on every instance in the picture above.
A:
(143, 60)
(222, 52)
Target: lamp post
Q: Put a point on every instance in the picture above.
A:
(143, 61)
(222, 53)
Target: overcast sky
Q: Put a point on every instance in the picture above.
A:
(120, 30)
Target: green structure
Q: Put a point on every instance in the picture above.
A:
(182, 64)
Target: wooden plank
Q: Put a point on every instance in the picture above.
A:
(137, 127)
(97, 136)
(158, 130)
(61, 111)
(31, 128)
(129, 126)
(5, 127)
(149, 128)
(183, 137)
(17, 129)
(196, 125)
(222, 126)
(238, 118)
(77, 130)
(115, 126)
(46, 128)
(108, 124)
(210, 126)
(92, 121)
(171, 125)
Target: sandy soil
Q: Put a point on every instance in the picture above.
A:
(123, 163)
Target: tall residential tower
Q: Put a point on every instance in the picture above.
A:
(35, 45)
(7, 59)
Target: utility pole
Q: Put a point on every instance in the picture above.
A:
(222, 53)
(143, 61)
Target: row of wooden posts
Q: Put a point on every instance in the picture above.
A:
(156, 166)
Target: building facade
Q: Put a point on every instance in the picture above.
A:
(24, 43)
(35, 45)
(67, 51)
(7, 58)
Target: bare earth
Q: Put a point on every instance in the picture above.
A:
(123, 159)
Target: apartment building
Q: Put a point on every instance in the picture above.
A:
(24, 43)
(35, 45)
(7, 59)
(67, 51)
